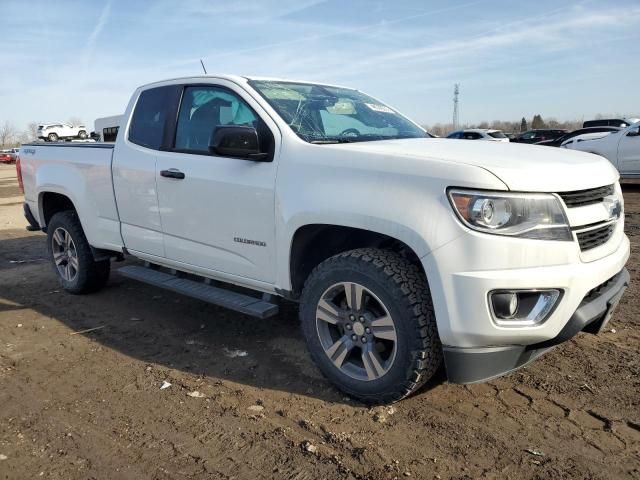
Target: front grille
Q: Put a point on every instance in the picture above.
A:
(594, 238)
(580, 198)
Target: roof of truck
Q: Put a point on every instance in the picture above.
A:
(240, 79)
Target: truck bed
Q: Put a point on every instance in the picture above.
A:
(80, 172)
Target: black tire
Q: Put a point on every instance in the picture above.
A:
(52, 137)
(402, 287)
(82, 134)
(90, 276)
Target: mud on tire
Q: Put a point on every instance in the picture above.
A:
(401, 289)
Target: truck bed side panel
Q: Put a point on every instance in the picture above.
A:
(82, 172)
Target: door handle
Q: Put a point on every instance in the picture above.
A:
(172, 173)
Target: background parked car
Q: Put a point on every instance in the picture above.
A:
(556, 142)
(538, 135)
(9, 156)
(611, 122)
(621, 148)
(572, 142)
(479, 134)
(57, 131)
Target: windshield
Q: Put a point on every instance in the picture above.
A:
(497, 134)
(323, 114)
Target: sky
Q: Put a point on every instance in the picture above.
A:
(567, 59)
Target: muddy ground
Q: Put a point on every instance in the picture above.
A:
(89, 406)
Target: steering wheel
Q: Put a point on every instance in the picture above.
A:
(350, 132)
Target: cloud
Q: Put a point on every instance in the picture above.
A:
(551, 35)
(90, 44)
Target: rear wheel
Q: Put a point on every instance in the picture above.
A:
(369, 324)
(52, 137)
(82, 134)
(71, 255)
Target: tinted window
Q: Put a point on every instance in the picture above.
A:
(109, 134)
(606, 122)
(497, 134)
(471, 136)
(150, 115)
(203, 109)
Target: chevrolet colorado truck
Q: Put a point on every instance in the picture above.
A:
(404, 251)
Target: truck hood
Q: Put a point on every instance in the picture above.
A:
(521, 167)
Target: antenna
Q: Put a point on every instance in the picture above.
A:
(456, 92)
(202, 63)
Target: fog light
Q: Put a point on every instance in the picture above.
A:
(505, 305)
(522, 308)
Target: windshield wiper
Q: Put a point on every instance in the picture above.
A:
(326, 141)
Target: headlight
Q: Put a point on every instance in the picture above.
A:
(525, 215)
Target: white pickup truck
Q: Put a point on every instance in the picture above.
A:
(621, 148)
(402, 250)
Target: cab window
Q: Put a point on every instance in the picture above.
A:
(204, 108)
(149, 118)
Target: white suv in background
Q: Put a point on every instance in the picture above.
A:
(621, 148)
(55, 131)
(479, 134)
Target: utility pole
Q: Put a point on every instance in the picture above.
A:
(456, 92)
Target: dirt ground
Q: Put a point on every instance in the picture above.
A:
(90, 406)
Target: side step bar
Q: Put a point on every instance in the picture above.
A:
(239, 302)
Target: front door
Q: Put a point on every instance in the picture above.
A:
(218, 213)
(629, 152)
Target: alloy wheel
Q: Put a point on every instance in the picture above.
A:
(65, 255)
(356, 331)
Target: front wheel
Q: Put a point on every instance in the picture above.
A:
(71, 255)
(369, 324)
(82, 134)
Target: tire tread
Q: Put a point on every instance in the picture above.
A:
(409, 280)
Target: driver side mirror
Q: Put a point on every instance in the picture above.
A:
(634, 132)
(236, 141)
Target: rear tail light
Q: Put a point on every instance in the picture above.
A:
(19, 174)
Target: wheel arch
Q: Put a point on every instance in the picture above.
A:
(52, 202)
(311, 244)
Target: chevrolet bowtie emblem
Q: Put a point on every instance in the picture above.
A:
(614, 206)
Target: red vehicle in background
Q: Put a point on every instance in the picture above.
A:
(9, 156)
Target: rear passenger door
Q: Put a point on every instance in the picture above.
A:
(220, 216)
(134, 169)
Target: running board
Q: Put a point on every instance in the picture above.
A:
(239, 302)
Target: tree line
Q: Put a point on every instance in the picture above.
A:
(444, 129)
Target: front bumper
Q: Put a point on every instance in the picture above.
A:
(472, 365)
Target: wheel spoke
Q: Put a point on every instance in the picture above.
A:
(74, 263)
(384, 328)
(58, 257)
(328, 312)
(67, 240)
(339, 350)
(372, 363)
(354, 294)
(57, 236)
(67, 271)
